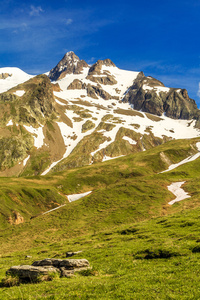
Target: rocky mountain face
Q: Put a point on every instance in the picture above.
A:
(81, 114)
(69, 64)
(150, 95)
(98, 75)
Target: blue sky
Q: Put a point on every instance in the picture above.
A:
(160, 38)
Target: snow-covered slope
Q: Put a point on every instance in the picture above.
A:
(14, 77)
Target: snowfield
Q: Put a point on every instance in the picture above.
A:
(176, 189)
(17, 77)
(37, 134)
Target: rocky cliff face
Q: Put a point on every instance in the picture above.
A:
(98, 74)
(150, 95)
(69, 64)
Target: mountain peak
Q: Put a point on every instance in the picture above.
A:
(69, 64)
(97, 67)
(70, 56)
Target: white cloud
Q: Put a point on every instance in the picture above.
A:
(35, 11)
(69, 21)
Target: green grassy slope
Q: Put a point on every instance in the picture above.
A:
(155, 259)
(138, 245)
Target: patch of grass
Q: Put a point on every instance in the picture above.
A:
(88, 272)
(136, 126)
(88, 125)
(153, 117)
(155, 254)
(127, 112)
(81, 102)
(50, 126)
(10, 281)
(105, 126)
(106, 117)
(77, 119)
(38, 162)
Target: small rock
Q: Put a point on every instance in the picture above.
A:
(69, 254)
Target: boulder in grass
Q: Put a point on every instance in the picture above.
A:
(46, 268)
(31, 273)
(63, 263)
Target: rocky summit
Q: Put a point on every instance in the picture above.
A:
(80, 114)
(69, 64)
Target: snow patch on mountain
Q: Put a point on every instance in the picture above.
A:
(75, 197)
(105, 158)
(157, 89)
(26, 160)
(17, 77)
(176, 189)
(10, 123)
(131, 141)
(19, 93)
(38, 135)
(124, 80)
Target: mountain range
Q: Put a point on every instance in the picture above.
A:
(77, 115)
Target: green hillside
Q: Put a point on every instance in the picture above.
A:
(139, 247)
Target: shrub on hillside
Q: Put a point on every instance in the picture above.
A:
(155, 253)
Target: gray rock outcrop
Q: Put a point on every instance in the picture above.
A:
(65, 267)
(104, 76)
(94, 91)
(31, 273)
(150, 95)
(96, 69)
(77, 85)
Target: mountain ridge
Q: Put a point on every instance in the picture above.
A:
(79, 114)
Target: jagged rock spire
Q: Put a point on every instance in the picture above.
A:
(69, 64)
